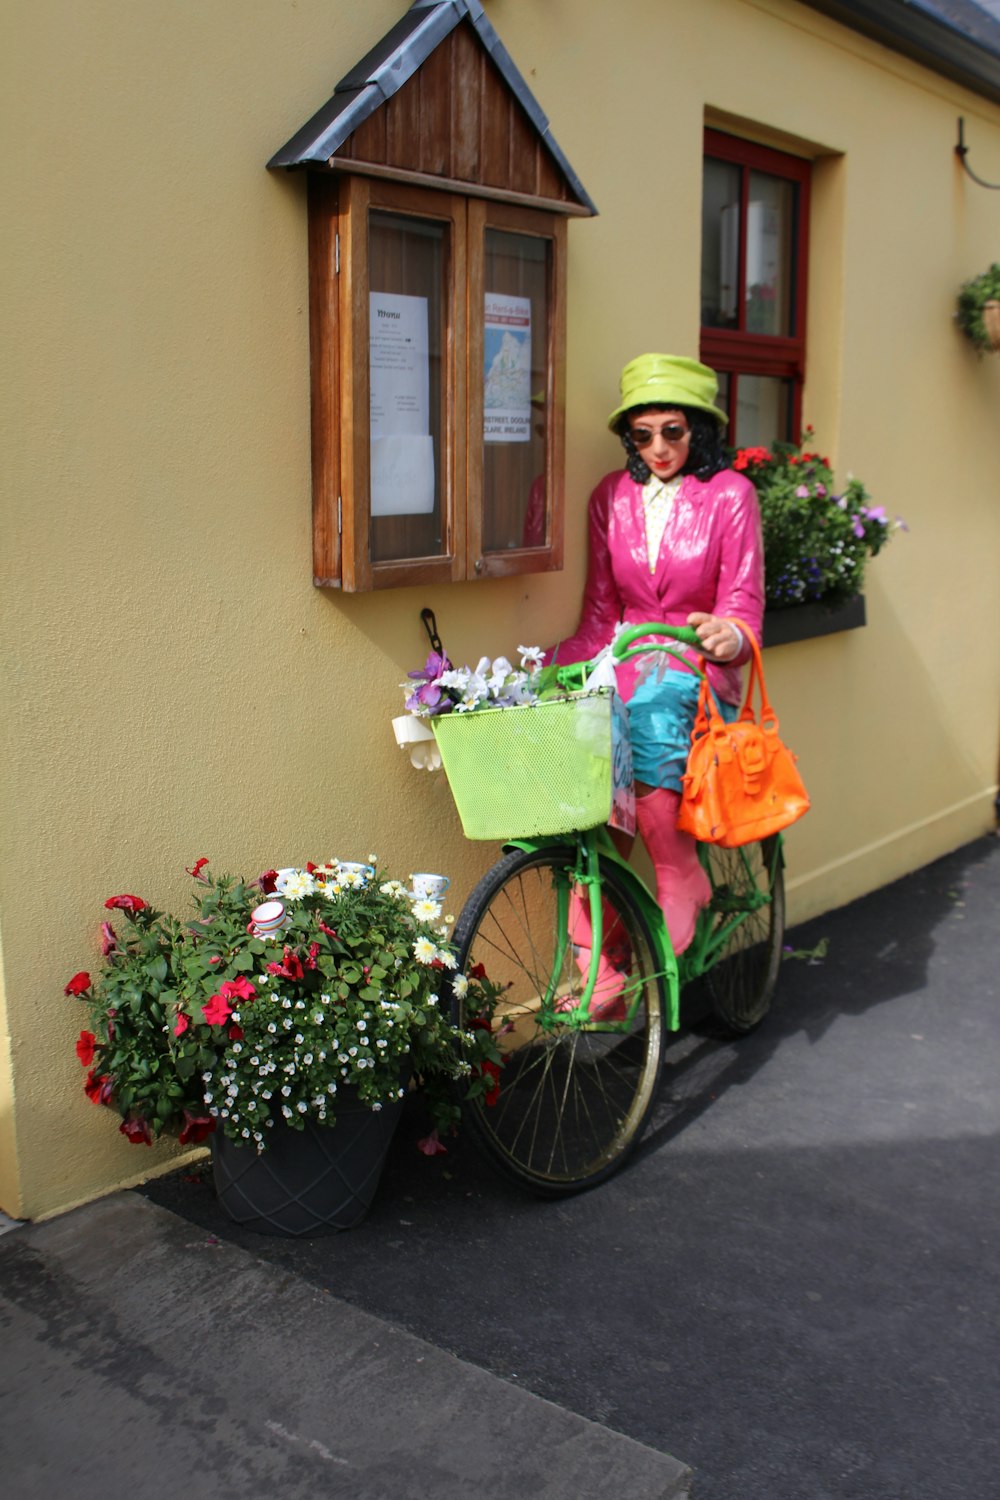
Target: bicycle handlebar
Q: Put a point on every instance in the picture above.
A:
(573, 675)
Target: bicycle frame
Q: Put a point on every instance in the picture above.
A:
(710, 937)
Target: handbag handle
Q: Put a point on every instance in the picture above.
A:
(708, 719)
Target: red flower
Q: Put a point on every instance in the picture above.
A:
(196, 1128)
(235, 1033)
(78, 983)
(126, 903)
(491, 1070)
(478, 971)
(98, 1090)
(331, 932)
(268, 882)
(217, 1011)
(310, 867)
(313, 952)
(196, 868)
(137, 1129)
(85, 1047)
(216, 958)
(747, 456)
(237, 989)
(181, 1024)
(290, 969)
(109, 943)
(431, 1145)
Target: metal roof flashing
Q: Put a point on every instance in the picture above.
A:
(954, 38)
(390, 64)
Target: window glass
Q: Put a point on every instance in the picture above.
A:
(768, 277)
(763, 410)
(720, 245)
(406, 340)
(515, 382)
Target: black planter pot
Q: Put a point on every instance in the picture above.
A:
(308, 1182)
(804, 622)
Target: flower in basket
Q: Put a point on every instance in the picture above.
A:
(440, 688)
(271, 1000)
(817, 538)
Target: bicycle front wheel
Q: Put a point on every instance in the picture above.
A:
(572, 1099)
(748, 891)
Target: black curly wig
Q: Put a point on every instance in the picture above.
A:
(707, 454)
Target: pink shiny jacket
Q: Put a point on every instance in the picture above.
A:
(711, 558)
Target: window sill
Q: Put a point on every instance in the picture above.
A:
(802, 622)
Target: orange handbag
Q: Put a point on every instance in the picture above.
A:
(741, 783)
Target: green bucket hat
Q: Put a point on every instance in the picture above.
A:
(668, 380)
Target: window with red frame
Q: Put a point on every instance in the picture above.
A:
(755, 219)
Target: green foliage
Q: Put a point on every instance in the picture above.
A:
(972, 297)
(208, 1023)
(817, 539)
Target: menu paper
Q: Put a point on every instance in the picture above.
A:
(507, 369)
(402, 450)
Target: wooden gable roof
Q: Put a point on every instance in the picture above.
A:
(438, 100)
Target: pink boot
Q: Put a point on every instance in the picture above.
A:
(607, 1003)
(682, 887)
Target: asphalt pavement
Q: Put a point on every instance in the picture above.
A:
(791, 1293)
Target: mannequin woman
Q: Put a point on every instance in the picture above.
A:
(675, 538)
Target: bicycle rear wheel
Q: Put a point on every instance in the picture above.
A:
(571, 1100)
(742, 980)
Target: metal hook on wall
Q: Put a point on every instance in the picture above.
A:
(962, 151)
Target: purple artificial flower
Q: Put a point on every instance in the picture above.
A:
(435, 664)
(857, 528)
(874, 513)
(802, 492)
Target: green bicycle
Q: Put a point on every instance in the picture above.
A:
(579, 1075)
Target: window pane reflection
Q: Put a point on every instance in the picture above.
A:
(763, 411)
(770, 213)
(515, 381)
(720, 245)
(407, 259)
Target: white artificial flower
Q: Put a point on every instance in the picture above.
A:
(426, 910)
(460, 985)
(446, 958)
(532, 657)
(424, 951)
(294, 884)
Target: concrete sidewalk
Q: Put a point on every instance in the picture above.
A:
(145, 1357)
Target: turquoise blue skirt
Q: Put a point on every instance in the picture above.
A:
(661, 716)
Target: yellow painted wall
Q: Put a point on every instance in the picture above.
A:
(173, 684)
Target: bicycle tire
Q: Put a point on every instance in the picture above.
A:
(742, 980)
(571, 1102)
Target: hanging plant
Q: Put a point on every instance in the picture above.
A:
(978, 313)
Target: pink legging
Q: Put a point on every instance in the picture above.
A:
(682, 887)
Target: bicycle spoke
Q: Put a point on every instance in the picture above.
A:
(571, 1100)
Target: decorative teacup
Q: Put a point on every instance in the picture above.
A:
(350, 867)
(429, 887)
(269, 918)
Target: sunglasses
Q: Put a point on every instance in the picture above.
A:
(671, 432)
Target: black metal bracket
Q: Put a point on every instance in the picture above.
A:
(962, 151)
(430, 625)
